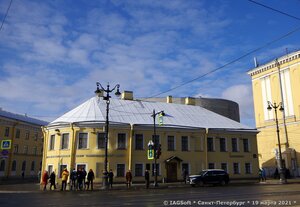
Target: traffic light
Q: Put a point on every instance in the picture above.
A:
(160, 118)
(158, 152)
(150, 151)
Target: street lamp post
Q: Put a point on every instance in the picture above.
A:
(155, 145)
(280, 163)
(98, 92)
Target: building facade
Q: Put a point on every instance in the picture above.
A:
(278, 82)
(191, 138)
(24, 138)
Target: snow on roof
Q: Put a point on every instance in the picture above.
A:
(136, 112)
(24, 118)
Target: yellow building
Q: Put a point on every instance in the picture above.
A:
(21, 141)
(191, 138)
(268, 87)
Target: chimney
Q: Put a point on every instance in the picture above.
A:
(169, 99)
(190, 101)
(127, 95)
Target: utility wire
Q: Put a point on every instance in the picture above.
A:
(276, 10)
(6, 14)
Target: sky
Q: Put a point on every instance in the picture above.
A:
(52, 52)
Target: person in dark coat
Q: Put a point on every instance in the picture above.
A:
(110, 178)
(73, 178)
(79, 179)
(147, 178)
(90, 178)
(128, 178)
(52, 180)
(83, 177)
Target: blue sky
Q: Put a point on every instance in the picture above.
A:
(53, 52)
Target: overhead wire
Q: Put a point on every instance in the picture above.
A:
(5, 14)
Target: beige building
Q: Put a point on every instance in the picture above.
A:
(23, 145)
(191, 138)
(278, 82)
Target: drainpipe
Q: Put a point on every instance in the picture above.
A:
(130, 146)
(205, 147)
(73, 147)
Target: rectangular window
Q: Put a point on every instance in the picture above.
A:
(120, 170)
(139, 142)
(6, 132)
(153, 169)
(138, 170)
(171, 143)
(25, 151)
(185, 168)
(27, 135)
(36, 135)
(234, 145)
(101, 140)
(211, 165)
(246, 145)
(34, 151)
(18, 133)
(121, 141)
(210, 144)
(236, 168)
(16, 148)
(50, 169)
(65, 141)
(184, 143)
(82, 141)
(248, 168)
(52, 142)
(223, 145)
(224, 167)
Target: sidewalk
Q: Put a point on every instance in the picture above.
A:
(35, 187)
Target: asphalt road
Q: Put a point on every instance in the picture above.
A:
(245, 195)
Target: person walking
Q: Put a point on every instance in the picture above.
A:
(184, 175)
(147, 178)
(73, 178)
(52, 180)
(45, 178)
(64, 179)
(79, 179)
(90, 179)
(128, 178)
(110, 178)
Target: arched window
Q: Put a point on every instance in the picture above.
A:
(2, 165)
(32, 166)
(14, 166)
(24, 166)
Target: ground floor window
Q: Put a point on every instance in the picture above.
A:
(185, 168)
(61, 169)
(211, 165)
(236, 168)
(14, 166)
(50, 169)
(24, 166)
(224, 167)
(248, 168)
(138, 169)
(120, 170)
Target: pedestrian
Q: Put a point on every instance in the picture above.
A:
(90, 178)
(128, 178)
(64, 179)
(110, 178)
(73, 178)
(83, 177)
(147, 178)
(184, 175)
(260, 175)
(79, 179)
(263, 175)
(23, 174)
(45, 178)
(52, 180)
(276, 174)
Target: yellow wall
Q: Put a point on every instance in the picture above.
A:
(196, 156)
(35, 139)
(267, 138)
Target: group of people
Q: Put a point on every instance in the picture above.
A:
(79, 179)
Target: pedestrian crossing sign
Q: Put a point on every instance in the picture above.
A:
(150, 154)
(6, 144)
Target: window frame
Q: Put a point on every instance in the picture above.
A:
(185, 143)
(79, 143)
(119, 146)
(139, 145)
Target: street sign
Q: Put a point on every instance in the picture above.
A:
(4, 152)
(6, 144)
(150, 154)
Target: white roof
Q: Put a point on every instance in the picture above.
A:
(136, 112)
(24, 118)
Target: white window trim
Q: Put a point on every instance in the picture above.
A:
(49, 146)
(251, 172)
(188, 140)
(143, 167)
(227, 166)
(174, 147)
(126, 141)
(62, 143)
(104, 141)
(81, 163)
(239, 168)
(116, 175)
